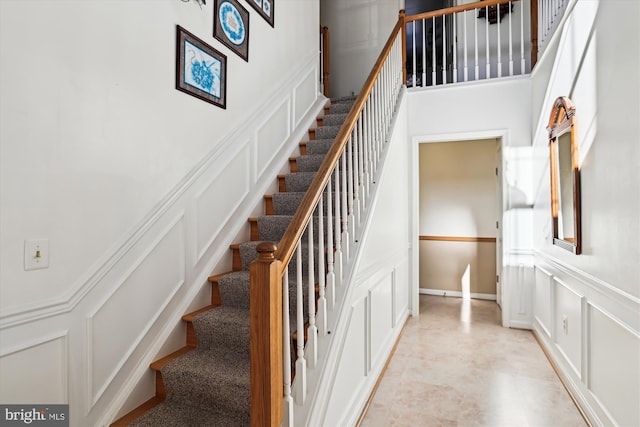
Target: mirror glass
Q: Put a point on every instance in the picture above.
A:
(565, 176)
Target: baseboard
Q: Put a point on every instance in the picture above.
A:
(456, 294)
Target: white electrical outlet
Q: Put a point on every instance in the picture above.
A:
(36, 254)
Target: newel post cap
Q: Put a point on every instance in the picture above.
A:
(266, 251)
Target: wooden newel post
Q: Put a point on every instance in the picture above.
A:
(266, 338)
(401, 18)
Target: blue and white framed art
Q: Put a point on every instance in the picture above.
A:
(231, 26)
(265, 8)
(201, 71)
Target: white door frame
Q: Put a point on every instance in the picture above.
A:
(502, 136)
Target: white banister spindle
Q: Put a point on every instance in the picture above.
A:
(455, 50)
(465, 42)
(499, 46)
(287, 412)
(350, 173)
(522, 60)
(413, 25)
(488, 63)
(300, 384)
(510, 43)
(424, 53)
(365, 149)
(357, 174)
(475, 31)
(331, 275)
(338, 258)
(444, 50)
(311, 351)
(433, 51)
(344, 215)
(321, 318)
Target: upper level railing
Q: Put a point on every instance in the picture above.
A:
(477, 41)
(325, 64)
(315, 256)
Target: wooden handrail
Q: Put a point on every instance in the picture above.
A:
(305, 211)
(456, 9)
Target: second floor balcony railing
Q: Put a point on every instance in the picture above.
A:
(482, 40)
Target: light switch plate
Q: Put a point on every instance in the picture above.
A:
(36, 254)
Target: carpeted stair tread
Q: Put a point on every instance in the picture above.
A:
(223, 327)
(299, 181)
(319, 146)
(309, 162)
(341, 107)
(334, 119)
(170, 414)
(326, 132)
(248, 253)
(234, 289)
(208, 378)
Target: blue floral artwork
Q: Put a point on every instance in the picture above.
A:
(231, 23)
(200, 70)
(264, 8)
(231, 26)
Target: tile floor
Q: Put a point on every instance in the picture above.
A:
(456, 366)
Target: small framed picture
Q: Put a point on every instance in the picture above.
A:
(265, 8)
(201, 71)
(231, 26)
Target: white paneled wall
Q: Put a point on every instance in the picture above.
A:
(596, 351)
(133, 302)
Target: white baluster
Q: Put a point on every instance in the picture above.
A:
(433, 51)
(311, 351)
(475, 26)
(338, 263)
(331, 275)
(510, 43)
(300, 383)
(444, 51)
(287, 401)
(466, 64)
(321, 320)
(362, 194)
(424, 53)
(522, 60)
(413, 83)
(350, 174)
(344, 214)
(488, 63)
(455, 50)
(499, 42)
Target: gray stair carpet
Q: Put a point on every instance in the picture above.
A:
(209, 386)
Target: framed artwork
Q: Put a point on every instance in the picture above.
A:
(265, 8)
(201, 71)
(231, 26)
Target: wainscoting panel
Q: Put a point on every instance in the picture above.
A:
(594, 340)
(304, 95)
(401, 292)
(542, 302)
(614, 366)
(381, 324)
(46, 380)
(568, 324)
(270, 135)
(352, 368)
(213, 209)
(143, 293)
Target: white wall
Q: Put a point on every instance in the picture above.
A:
(586, 306)
(140, 188)
(358, 30)
(489, 109)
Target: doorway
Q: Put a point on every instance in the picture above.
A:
(458, 209)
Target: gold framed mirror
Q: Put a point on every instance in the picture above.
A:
(565, 176)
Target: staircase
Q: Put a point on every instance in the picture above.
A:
(206, 383)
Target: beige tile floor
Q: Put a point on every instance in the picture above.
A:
(456, 366)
